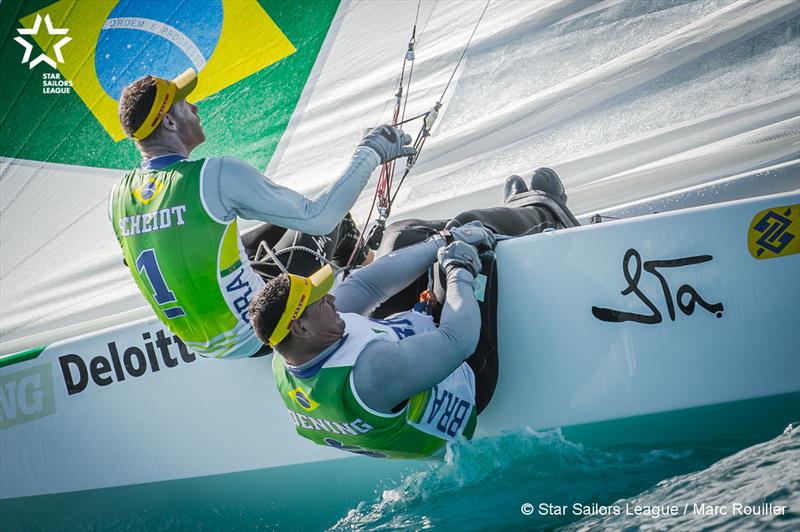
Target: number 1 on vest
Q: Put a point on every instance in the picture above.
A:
(147, 264)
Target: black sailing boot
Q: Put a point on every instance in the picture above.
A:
(514, 185)
(547, 181)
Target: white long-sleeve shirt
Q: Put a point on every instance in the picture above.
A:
(387, 373)
(232, 188)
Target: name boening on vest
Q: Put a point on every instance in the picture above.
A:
(151, 221)
(353, 428)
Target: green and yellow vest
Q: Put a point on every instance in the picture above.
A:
(326, 409)
(190, 266)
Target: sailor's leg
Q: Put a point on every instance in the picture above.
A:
(532, 208)
(345, 243)
(511, 221)
(399, 235)
(484, 361)
(485, 365)
(292, 248)
(408, 232)
(264, 232)
(297, 252)
(301, 253)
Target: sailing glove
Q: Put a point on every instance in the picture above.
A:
(389, 142)
(459, 255)
(475, 234)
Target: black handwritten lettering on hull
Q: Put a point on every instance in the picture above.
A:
(686, 304)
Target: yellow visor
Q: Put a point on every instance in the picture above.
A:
(302, 292)
(167, 92)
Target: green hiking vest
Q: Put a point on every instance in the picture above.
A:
(325, 408)
(190, 267)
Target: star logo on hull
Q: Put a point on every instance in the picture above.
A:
(35, 31)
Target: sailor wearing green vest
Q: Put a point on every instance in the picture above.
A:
(176, 218)
(396, 388)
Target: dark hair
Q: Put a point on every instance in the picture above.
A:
(135, 104)
(267, 307)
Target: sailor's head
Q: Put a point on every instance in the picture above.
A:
(294, 312)
(154, 111)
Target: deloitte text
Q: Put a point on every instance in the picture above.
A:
(121, 363)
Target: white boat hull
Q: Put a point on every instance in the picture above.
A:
(114, 409)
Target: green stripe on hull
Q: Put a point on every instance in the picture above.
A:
(22, 356)
(750, 420)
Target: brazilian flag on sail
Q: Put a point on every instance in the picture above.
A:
(65, 63)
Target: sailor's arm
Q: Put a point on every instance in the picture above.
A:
(232, 187)
(388, 373)
(365, 289)
(368, 287)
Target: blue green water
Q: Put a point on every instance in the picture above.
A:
(522, 479)
(484, 485)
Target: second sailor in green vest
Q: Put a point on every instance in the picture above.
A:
(176, 218)
(393, 388)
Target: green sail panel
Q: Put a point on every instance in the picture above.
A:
(253, 59)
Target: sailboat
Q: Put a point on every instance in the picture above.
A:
(666, 309)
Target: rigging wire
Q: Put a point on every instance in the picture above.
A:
(384, 198)
(464, 52)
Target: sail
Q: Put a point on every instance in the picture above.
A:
(626, 100)
(62, 147)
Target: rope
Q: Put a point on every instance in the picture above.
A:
(384, 198)
(464, 52)
(264, 251)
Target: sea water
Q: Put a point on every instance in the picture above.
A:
(532, 480)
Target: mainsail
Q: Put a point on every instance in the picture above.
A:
(625, 101)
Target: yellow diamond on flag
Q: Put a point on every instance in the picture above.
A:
(115, 42)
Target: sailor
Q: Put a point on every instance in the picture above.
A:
(400, 387)
(502, 220)
(176, 218)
